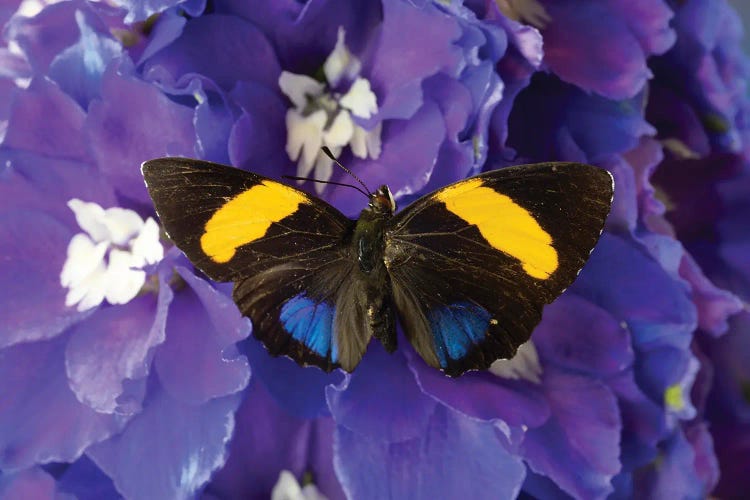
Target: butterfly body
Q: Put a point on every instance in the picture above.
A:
(465, 270)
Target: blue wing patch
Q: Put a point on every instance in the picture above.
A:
(457, 328)
(311, 323)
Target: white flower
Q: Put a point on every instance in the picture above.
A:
(105, 261)
(524, 365)
(321, 117)
(287, 488)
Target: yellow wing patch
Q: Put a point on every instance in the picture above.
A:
(505, 225)
(246, 218)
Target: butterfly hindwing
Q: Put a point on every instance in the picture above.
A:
(284, 250)
(473, 264)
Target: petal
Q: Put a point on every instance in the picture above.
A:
(304, 139)
(484, 396)
(29, 483)
(199, 360)
(146, 247)
(551, 118)
(90, 218)
(33, 299)
(44, 183)
(396, 75)
(657, 308)
(132, 123)
(323, 170)
(279, 441)
(298, 88)
(84, 258)
(79, 68)
(44, 36)
(185, 445)
(40, 419)
(90, 292)
(523, 365)
(360, 100)
(122, 282)
(141, 11)
(122, 224)
(675, 476)
(259, 136)
(341, 64)
(304, 35)
(339, 133)
(643, 422)
(86, 481)
(584, 429)
(380, 400)
(715, 305)
(45, 120)
(453, 457)
(167, 28)
(577, 335)
(223, 48)
(113, 345)
(299, 391)
(603, 45)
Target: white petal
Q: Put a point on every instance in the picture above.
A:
(122, 282)
(286, 488)
(122, 224)
(297, 87)
(340, 63)
(524, 365)
(340, 132)
(304, 137)
(374, 144)
(146, 247)
(366, 144)
(358, 144)
(360, 99)
(88, 293)
(83, 257)
(90, 218)
(323, 171)
(311, 492)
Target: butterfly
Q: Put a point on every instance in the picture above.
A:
(466, 270)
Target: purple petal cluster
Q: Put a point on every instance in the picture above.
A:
(634, 383)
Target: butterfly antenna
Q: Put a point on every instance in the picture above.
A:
(294, 178)
(330, 155)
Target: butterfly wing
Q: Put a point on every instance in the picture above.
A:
(284, 249)
(473, 264)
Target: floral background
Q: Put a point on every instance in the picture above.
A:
(124, 372)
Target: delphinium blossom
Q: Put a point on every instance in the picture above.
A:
(125, 373)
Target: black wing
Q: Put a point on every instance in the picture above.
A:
(474, 263)
(285, 250)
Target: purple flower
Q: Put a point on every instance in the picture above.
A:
(124, 372)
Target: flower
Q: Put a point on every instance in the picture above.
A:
(113, 347)
(127, 242)
(321, 117)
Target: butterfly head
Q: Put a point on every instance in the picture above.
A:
(381, 201)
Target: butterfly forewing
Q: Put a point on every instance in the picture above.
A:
(473, 264)
(285, 251)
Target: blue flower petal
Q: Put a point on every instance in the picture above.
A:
(199, 360)
(381, 399)
(452, 457)
(40, 419)
(184, 444)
